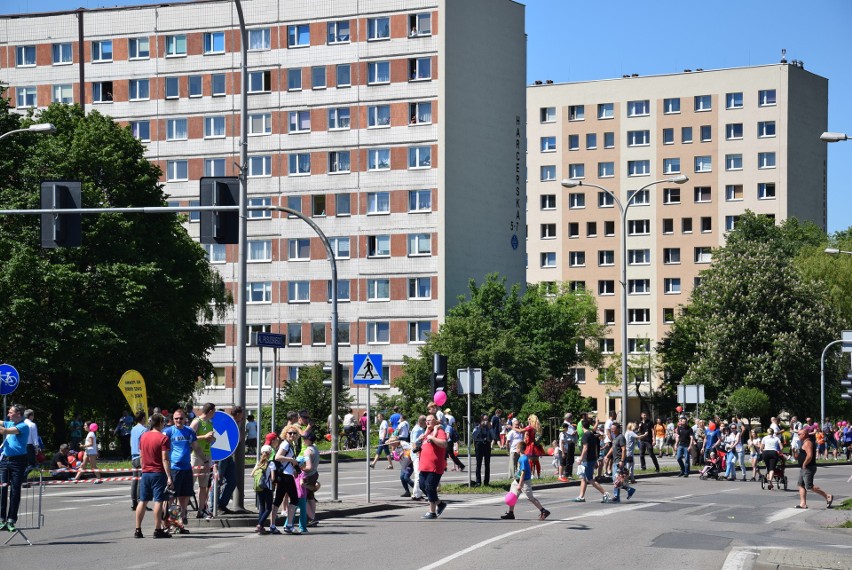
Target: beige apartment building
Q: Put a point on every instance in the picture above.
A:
(396, 124)
(747, 139)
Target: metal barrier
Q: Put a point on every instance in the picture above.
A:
(30, 516)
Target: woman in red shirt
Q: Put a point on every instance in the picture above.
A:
(534, 450)
(433, 463)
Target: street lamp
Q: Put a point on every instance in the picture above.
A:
(835, 251)
(833, 137)
(34, 128)
(623, 208)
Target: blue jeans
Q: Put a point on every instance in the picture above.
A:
(731, 469)
(405, 479)
(264, 506)
(12, 473)
(228, 472)
(682, 457)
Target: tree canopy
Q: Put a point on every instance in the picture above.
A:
(758, 319)
(138, 293)
(525, 345)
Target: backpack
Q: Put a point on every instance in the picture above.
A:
(452, 435)
(261, 481)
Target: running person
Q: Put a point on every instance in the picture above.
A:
(523, 485)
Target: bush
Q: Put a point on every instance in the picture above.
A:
(749, 402)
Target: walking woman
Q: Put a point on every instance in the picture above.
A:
(770, 446)
(754, 450)
(90, 454)
(534, 450)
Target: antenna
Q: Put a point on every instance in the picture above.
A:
(783, 55)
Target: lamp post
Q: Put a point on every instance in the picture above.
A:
(835, 251)
(46, 128)
(623, 208)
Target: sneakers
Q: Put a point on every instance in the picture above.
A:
(579, 500)
(509, 516)
(563, 479)
(160, 533)
(203, 514)
(544, 514)
(289, 530)
(615, 500)
(274, 530)
(2, 525)
(441, 506)
(389, 467)
(260, 530)
(183, 531)
(406, 494)
(630, 492)
(430, 515)
(606, 498)
(138, 533)
(418, 498)
(313, 522)
(10, 526)
(226, 511)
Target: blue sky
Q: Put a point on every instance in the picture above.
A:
(579, 41)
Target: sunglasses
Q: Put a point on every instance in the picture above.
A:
(292, 433)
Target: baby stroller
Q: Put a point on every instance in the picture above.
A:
(779, 478)
(714, 467)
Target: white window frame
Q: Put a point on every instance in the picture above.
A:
(343, 75)
(378, 28)
(733, 192)
(102, 95)
(668, 136)
(766, 160)
(259, 39)
(260, 214)
(378, 246)
(420, 69)
(298, 36)
(378, 73)
(214, 127)
(259, 250)
(176, 45)
(606, 287)
(704, 163)
(177, 170)
(734, 100)
(606, 111)
(576, 200)
(733, 162)
(671, 106)
(63, 93)
(171, 87)
(576, 259)
(733, 131)
(335, 32)
(419, 157)
(419, 201)
(26, 97)
(378, 159)
(548, 202)
(216, 78)
(766, 191)
(177, 129)
(606, 258)
(639, 108)
(548, 259)
(639, 286)
(703, 103)
(299, 249)
(419, 288)
(577, 170)
(378, 117)
(211, 39)
(299, 122)
(548, 144)
(419, 245)
(339, 162)
(703, 254)
(766, 129)
(298, 292)
(767, 98)
(259, 81)
(341, 246)
(639, 138)
(378, 290)
(419, 331)
(576, 112)
(378, 332)
(671, 256)
(141, 130)
(638, 168)
(671, 165)
(339, 119)
(378, 203)
(639, 256)
(259, 124)
(639, 316)
(102, 51)
(299, 164)
(25, 56)
(420, 24)
(671, 286)
(640, 227)
(259, 166)
(216, 253)
(214, 167)
(547, 114)
(62, 53)
(606, 169)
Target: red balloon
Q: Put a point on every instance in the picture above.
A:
(328, 437)
(712, 426)
(550, 451)
(679, 409)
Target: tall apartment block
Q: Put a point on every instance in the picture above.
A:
(396, 125)
(747, 138)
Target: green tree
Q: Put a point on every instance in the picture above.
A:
(137, 294)
(749, 403)
(755, 320)
(309, 393)
(519, 342)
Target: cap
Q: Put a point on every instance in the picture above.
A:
(447, 411)
(267, 449)
(270, 437)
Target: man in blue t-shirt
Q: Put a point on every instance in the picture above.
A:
(711, 440)
(16, 433)
(135, 455)
(184, 442)
(524, 476)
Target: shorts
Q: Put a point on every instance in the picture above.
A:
(182, 479)
(588, 472)
(153, 487)
(201, 461)
(382, 448)
(806, 478)
(526, 489)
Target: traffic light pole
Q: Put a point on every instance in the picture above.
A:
(822, 380)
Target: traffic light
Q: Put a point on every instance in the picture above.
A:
(61, 230)
(439, 373)
(848, 385)
(220, 226)
(329, 379)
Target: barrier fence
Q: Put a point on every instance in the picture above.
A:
(30, 516)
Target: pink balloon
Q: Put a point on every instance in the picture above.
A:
(440, 397)
(511, 499)
(843, 423)
(93, 426)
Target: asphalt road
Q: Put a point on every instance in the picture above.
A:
(669, 523)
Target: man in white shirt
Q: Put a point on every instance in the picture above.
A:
(32, 442)
(383, 446)
(417, 432)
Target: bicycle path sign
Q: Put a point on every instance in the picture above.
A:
(9, 379)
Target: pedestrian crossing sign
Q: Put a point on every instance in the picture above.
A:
(367, 369)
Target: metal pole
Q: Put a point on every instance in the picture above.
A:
(624, 307)
(259, 400)
(469, 422)
(242, 249)
(822, 380)
(367, 443)
(274, 388)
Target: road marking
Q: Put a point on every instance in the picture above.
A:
(477, 546)
(145, 565)
(731, 490)
(682, 497)
(188, 554)
(89, 500)
(63, 509)
(783, 514)
(740, 558)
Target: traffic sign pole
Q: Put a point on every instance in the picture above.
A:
(259, 400)
(367, 441)
(274, 388)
